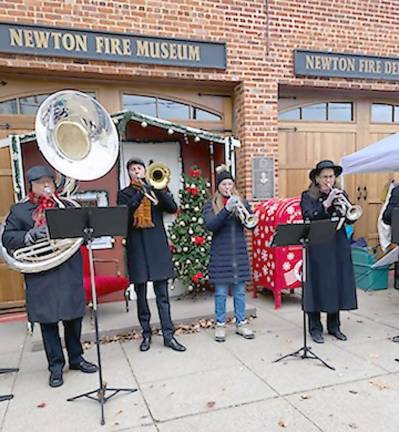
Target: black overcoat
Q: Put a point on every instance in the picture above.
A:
(53, 295)
(392, 203)
(228, 261)
(148, 253)
(331, 282)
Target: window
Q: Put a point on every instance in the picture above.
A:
(325, 111)
(384, 113)
(27, 105)
(165, 108)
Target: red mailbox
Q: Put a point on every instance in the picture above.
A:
(275, 268)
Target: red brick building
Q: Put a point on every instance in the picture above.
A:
(278, 112)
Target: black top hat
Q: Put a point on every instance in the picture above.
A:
(39, 171)
(323, 165)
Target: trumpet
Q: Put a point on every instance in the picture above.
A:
(248, 219)
(350, 211)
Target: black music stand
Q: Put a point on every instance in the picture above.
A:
(3, 371)
(89, 223)
(304, 234)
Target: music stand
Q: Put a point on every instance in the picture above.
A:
(89, 223)
(304, 234)
(3, 371)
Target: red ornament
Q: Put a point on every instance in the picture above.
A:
(196, 278)
(172, 248)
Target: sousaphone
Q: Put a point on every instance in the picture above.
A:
(79, 140)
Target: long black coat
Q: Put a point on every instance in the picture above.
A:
(148, 252)
(393, 203)
(51, 295)
(228, 262)
(331, 283)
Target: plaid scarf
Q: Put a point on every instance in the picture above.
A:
(142, 217)
(43, 202)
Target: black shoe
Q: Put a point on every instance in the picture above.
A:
(317, 337)
(174, 345)
(338, 334)
(84, 366)
(55, 379)
(145, 344)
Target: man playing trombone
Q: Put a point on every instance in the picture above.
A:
(148, 253)
(55, 294)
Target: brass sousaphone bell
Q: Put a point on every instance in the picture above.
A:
(78, 139)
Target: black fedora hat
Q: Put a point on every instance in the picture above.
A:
(323, 165)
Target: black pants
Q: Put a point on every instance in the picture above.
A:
(53, 347)
(163, 305)
(315, 325)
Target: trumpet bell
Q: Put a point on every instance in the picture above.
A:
(76, 135)
(354, 212)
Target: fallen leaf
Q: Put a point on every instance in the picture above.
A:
(380, 384)
(211, 404)
(282, 423)
(353, 391)
(304, 396)
(119, 412)
(353, 425)
(41, 405)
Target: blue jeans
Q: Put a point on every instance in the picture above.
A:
(239, 302)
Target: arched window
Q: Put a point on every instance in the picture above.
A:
(27, 105)
(324, 111)
(166, 109)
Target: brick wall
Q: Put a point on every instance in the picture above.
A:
(260, 35)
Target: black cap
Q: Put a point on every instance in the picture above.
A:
(135, 161)
(323, 165)
(39, 171)
(223, 175)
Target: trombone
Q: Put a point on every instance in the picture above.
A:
(158, 177)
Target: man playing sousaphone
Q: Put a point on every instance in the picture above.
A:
(148, 253)
(52, 295)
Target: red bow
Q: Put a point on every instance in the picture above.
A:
(198, 240)
(195, 278)
(195, 172)
(193, 190)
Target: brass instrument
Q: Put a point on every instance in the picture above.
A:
(249, 220)
(350, 211)
(157, 176)
(79, 139)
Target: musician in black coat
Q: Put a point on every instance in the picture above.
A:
(52, 295)
(148, 253)
(331, 284)
(387, 218)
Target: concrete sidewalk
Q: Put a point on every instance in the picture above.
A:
(232, 386)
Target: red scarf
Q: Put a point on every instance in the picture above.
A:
(43, 202)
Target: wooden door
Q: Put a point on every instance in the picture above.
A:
(11, 283)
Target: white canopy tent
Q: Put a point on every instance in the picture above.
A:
(378, 157)
(381, 156)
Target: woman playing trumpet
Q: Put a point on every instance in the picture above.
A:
(228, 264)
(331, 285)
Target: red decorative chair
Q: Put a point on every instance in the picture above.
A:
(105, 284)
(276, 268)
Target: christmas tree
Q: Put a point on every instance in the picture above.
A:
(190, 240)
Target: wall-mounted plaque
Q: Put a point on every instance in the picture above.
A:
(262, 178)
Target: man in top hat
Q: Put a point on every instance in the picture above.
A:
(55, 294)
(148, 253)
(330, 285)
